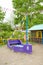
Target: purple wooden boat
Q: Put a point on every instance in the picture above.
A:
(12, 43)
(17, 46)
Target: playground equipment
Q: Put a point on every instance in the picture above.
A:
(17, 45)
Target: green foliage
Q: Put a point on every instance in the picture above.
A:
(18, 35)
(1, 14)
(5, 30)
(28, 7)
(5, 27)
(5, 34)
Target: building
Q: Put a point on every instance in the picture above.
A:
(36, 34)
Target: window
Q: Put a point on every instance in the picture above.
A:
(39, 34)
(33, 34)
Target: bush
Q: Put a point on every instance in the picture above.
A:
(18, 35)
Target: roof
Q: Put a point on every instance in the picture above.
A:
(37, 27)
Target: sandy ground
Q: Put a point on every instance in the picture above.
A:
(9, 57)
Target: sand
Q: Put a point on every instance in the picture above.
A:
(9, 57)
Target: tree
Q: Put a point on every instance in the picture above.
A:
(30, 7)
(5, 30)
(5, 27)
(1, 14)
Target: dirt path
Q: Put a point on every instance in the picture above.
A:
(9, 57)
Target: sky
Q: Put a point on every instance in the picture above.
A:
(6, 3)
(8, 7)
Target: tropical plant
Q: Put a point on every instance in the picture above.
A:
(30, 7)
(2, 14)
